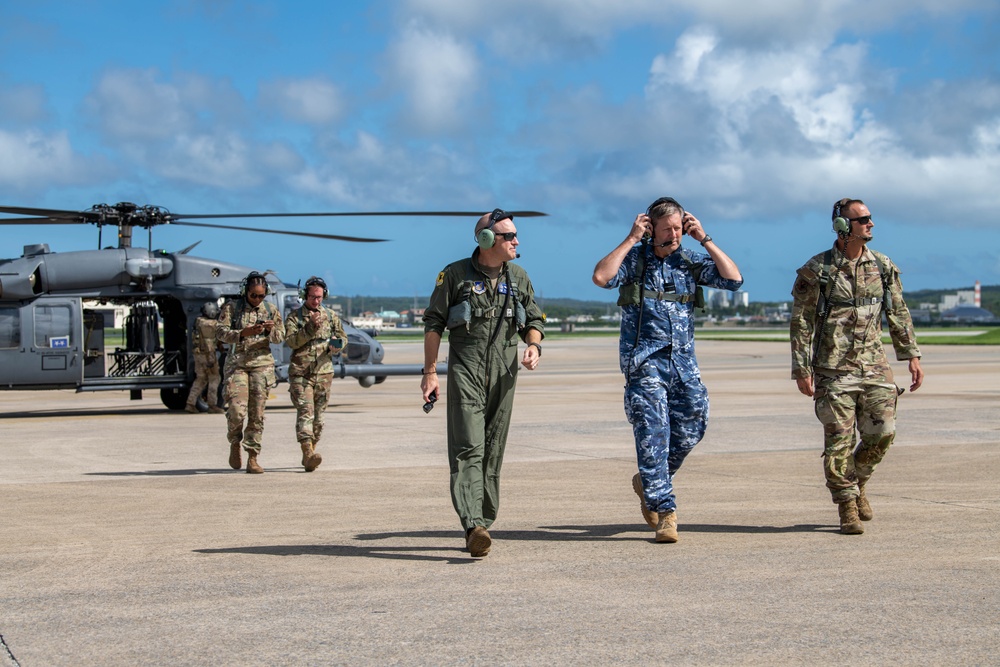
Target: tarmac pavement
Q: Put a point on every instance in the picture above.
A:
(125, 539)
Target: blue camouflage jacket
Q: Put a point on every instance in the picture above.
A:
(665, 324)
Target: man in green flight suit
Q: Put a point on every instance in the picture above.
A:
(485, 302)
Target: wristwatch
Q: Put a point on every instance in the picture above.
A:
(538, 346)
(705, 240)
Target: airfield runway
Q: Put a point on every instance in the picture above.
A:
(125, 539)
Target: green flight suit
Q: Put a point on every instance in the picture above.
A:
(481, 374)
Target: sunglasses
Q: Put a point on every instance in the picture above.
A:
(255, 296)
(864, 220)
(506, 236)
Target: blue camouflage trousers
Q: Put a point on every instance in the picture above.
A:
(669, 415)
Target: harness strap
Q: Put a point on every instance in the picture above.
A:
(859, 301)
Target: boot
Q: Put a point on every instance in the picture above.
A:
(864, 507)
(651, 517)
(216, 410)
(192, 408)
(310, 457)
(666, 527)
(252, 466)
(478, 541)
(235, 461)
(849, 522)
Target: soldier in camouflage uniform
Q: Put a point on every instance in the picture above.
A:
(665, 400)
(206, 366)
(485, 302)
(249, 325)
(315, 335)
(838, 357)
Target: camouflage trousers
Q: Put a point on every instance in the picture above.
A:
(205, 376)
(848, 404)
(310, 395)
(246, 392)
(669, 415)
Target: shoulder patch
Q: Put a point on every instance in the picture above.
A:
(440, 279)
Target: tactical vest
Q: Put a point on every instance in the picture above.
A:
(632, 293)
(462, 312)
(826, 287)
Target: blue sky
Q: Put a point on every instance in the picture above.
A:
(756, 116)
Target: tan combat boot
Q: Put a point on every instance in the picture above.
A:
(235, 461)
(478, 541)
(651, 517)
(864, 507)
(310, 457)
(666, 527)
(850, 524)
(215, 410)
(252, 466)
(192, 408)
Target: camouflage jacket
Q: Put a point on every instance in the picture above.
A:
(665, 324)
(310, 345)
(252, 351)
(851, 339)
(204, 329)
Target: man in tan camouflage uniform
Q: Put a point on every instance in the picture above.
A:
(838, 357)
(249, 325)
(206, 366)
(315, 335)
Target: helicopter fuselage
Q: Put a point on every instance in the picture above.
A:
(52, 328)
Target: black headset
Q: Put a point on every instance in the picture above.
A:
(254, 278)
(313, 281)
(485, 237)
(664, 200)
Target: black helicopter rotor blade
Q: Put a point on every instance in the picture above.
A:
(53, 213)
(335, 237)
(35, 221)
(356, 214)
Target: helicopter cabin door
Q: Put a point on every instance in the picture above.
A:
(41, 343)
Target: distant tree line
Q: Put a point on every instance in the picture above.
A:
(563, 308)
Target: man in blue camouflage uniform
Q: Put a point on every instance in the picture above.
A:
(838, 357)
(665, 400)
(485, 302)
(249, 325)
(315, 335)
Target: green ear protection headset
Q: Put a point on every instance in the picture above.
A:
(485, 237)
(842, 225)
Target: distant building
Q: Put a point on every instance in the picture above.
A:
(368, 321)
(968, 314)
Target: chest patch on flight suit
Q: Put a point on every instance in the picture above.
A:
(502, 288)
(478, 287)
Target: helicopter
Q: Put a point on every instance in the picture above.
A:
(53, 305)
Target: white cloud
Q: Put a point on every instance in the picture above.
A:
(316, 101)
(135, 105)
(439, 74)
(32, 160)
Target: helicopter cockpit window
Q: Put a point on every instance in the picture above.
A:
(10, 328)
(52, 326)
